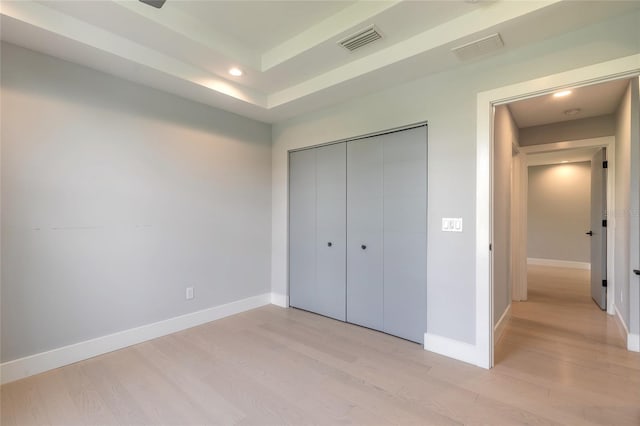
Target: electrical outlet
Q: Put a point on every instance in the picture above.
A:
(189, 293)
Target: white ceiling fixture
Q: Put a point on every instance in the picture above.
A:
(479, 47)
(287, 49)
(236, 72)
(562, 94)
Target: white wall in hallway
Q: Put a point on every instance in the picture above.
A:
(559, 212)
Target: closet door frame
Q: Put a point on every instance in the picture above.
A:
(355, 138)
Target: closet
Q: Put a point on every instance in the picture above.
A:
(357, 231)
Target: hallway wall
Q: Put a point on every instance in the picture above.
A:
(559, 212)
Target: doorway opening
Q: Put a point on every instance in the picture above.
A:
(551, 201)
(488, 260)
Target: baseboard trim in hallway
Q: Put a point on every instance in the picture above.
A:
(498, 330)
(34, 364)
(558, 263)
(633, 340)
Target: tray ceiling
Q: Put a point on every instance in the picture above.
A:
(288, 50)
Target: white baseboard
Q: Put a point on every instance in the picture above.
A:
(633, 342)
(558, 263)
(455, 349)
(633, 339)
(498, 330)
(621, 323)
(38, 363)
(281, 300)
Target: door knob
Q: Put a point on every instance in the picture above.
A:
(589, 233)
(363, 247)
(636, 271)
(329, 243)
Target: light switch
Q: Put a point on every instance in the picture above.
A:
(452, 224)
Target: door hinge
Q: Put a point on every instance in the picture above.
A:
(604, 223)
(604, 283)
(605, 164)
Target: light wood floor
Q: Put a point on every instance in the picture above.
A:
(561, 361)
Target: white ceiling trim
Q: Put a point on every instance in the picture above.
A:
(356, 14)
(74, 29)
(175, 51)
(442, 35)
(185, 25)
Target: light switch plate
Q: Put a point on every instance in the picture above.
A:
(452, 224)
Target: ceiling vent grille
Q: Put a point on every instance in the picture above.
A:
(478, 47)
(155, 3)
(361, 38)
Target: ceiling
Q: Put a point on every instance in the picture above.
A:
(590, 101)
(287, 49)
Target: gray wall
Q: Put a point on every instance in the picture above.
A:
(115, 198)
(559, 212)
(505, 134)
(448, 101)
(593, 127)
(634, 208)
(626, 207)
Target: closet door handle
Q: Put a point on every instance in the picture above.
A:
(636, 271)
(589, 233)
(329, 244)
(363, 247)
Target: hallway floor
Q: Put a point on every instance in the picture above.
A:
(559, 339)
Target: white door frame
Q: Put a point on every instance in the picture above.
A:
(625, 67)
(607, 142)
(519, 196)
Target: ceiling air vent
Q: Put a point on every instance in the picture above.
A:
(155, 3)
(361, 38)
(478, 47)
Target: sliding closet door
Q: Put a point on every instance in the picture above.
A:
(364, 232)
(405, 233)
(317, 235)
(331, 233)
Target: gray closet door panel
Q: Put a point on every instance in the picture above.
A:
(302, 229)
(364, 229)
(364, 280)
(331, 181)
(405, 290)
(405, 239)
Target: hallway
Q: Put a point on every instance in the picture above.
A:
(561, 340)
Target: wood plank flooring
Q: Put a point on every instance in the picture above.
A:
(560, 361)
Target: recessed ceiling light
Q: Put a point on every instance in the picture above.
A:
(561, 94)
(236, 72)
(565, 161)
(573, 111)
